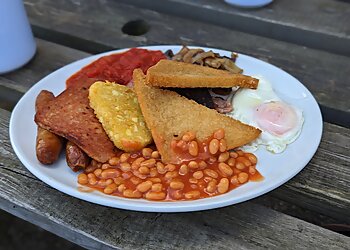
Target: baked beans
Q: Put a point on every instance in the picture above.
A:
(82, 179)
(223, 185)
(188, 136)
(144, 186)
(219, 134)
(223, 157)
(147, 152)
(214, 146)
(177, 185)
(207, 169)
(155, 154)
(124, 157)
(222, 145)
(193, 148)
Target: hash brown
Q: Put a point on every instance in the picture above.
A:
(118, 110)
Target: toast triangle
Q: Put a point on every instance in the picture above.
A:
(168, 114)
(173, 74)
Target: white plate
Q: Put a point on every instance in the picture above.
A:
(277, 169)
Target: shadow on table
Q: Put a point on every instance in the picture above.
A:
(17, 234)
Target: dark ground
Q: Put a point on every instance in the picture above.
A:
(17, 234)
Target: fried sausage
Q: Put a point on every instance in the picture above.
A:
(75, 157)
(48, 145)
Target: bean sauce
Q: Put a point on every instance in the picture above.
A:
(207, 169)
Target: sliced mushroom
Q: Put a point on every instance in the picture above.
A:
(191, 53)
(199, 58)
(209, 58)
(179, 55)
(230, 66)
(212, 62)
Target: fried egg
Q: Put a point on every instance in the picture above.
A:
(279, 122)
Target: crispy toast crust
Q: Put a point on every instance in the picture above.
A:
(70, 116)
(167, 73)
(168, 115)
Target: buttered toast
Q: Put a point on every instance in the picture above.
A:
(169, 115)
(167, 73)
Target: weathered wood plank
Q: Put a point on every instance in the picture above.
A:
(8, 97)
(325, 74)
(296, 211)
(326, 179)
(243, 226)
(320, 24)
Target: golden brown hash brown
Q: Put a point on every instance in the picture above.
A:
(168, 114)
(70, 116)
(167, 73)
(118, 110)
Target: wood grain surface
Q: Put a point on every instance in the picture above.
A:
(326, 179)
(320, 24)
(243, 226)
(325, 74)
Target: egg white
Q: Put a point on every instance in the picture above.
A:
(245, 102)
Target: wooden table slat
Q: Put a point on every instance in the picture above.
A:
(320, 24)
(325, 74)
(326, 179)
(243, 226)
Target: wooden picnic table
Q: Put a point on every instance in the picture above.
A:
(308, 39)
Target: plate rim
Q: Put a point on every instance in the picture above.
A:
(181, 206)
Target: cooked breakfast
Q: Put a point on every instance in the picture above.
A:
(139, 126)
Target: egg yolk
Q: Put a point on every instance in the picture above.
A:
(277, 118)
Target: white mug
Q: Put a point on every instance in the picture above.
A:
(249, 3)
(17, 44)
